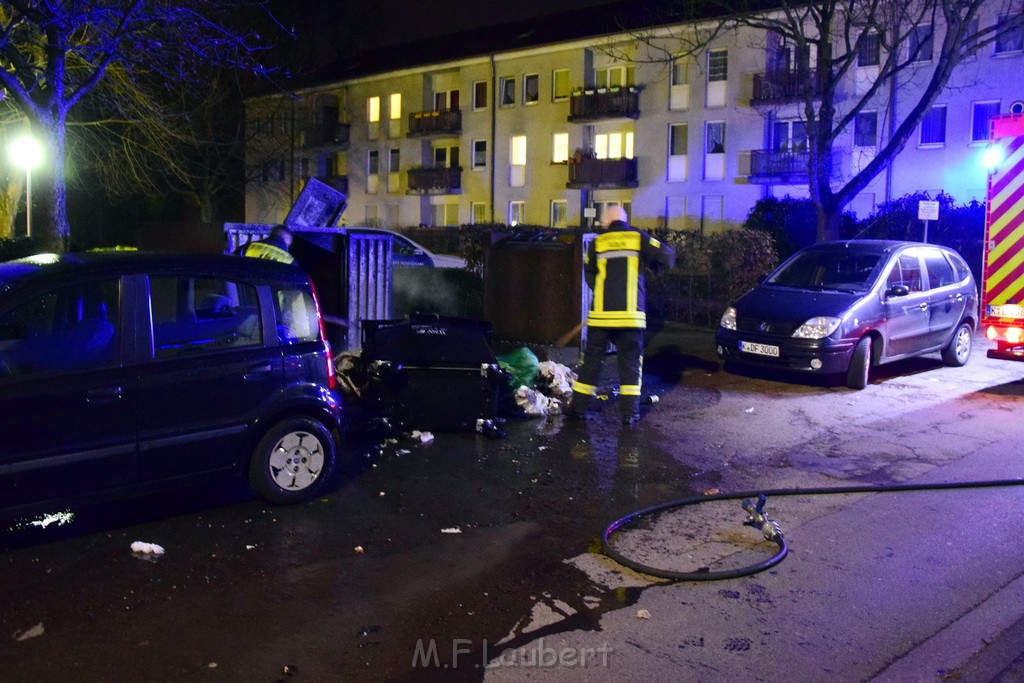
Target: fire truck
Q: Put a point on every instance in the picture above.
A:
(1002, 296)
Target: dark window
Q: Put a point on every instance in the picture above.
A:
(508, 91)
(940, 273)
(480, 95)
(718, 65)
(870, 51)
(479, 153)
(1011, 40)
(982, 116)
(920, 44)
(933, 126)
(193, 316)
(73, 328)
(531, 89)
(865, 129)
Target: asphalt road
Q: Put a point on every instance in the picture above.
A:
(468, 558)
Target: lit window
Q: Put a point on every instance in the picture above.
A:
(680, 72)
(560, 87)
(560, 148)
(615, 146)
(601, 146)
(373, 109)
(518, 150)
(477, 213)
(396, 106)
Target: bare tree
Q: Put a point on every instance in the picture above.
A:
(53, 53)
(814, 52)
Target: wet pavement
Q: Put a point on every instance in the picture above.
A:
(429, 561)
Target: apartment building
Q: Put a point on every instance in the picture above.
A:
(550, 130)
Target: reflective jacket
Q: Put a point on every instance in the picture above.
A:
(614, 266)
(271, 248)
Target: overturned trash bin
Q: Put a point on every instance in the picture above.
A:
(431, 372)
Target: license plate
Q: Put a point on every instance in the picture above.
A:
(1006, 311)
(759, 349)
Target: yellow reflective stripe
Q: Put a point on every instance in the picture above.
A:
(618, 240)
(636, 319)
(629, 390)
(632, 275)
(581, 388)
(655, 243)
(602, 272)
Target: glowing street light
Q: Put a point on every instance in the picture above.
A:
(26, 152)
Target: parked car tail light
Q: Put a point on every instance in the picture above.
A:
(332, 379)
(817, 328)
(729, 319)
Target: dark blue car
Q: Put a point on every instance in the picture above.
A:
(845, 307)
(124, 371)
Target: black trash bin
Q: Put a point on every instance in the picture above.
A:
(431, 372)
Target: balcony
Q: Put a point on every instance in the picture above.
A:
(604, 103)
(778, 167)
(435, 180)
(437, 122)
(589, 173)
(786, 86)
(325, 134)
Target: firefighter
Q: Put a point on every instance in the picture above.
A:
(614, 265)
(275, 247)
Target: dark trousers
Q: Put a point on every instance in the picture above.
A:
(629, 343)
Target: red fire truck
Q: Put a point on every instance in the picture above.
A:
(1002, 296)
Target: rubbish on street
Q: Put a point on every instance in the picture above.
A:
(557, 378)
(143, 548)
(535, 403)
(643, 614)
(33, 632)
(423, 437)
(521, 364)
(451, 530)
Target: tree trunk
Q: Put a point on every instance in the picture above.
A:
(50, 219)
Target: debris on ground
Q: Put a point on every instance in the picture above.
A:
(534, 402)
(451, 530)
(643, 614)
(422, 437)
(33, 632)
(143, 548)
(557, 378)
(346, 364)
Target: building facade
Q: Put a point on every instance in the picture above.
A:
(550, 134)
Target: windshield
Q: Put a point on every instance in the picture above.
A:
(825, 269)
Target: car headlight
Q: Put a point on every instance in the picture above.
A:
(728, 320)
(817, 328)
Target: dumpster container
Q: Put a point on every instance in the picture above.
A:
(430, 372)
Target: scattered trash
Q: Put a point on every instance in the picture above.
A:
(287, 671)
(346, 364)
(143, 548)
(535, 403)
(651, 400)
(557, 378)
(424, 437)
(381, 494)
(402, 451)
(211, 665)
(643, 614)
(33, 632)
(489, 428)
(250, 547)
(711, 492)
(451, 530)
(750, 409)
(367, 630)
(521, 364)
(358, 549)
(58, 518)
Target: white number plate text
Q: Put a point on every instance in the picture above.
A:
(759, 349)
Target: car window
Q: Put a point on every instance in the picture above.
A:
(196, 315)
(940, 273)
(297, 319)
(71, 328)
(828, 269)
(906, 271)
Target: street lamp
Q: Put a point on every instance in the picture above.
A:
(26, 152)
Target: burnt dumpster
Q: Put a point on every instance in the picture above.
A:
(430, 372)
(534, 289)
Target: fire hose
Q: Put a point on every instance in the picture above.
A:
(753, 504)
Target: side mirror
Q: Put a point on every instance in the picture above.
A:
(898, 290)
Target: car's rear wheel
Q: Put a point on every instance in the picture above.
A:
(959, 349)
(293, 461)
(860, 365)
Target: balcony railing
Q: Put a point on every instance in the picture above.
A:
(786, 86)
(604, 103)
(589, 173)
(778, 166)
(437, 122)
(326, 133)
(435, 180)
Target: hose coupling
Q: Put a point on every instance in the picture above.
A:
(759, 520)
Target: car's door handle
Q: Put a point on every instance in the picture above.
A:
(924, 305)
(257, 371)
(103, 395)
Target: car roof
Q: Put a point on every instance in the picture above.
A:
(58, 267)
(870, 246)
